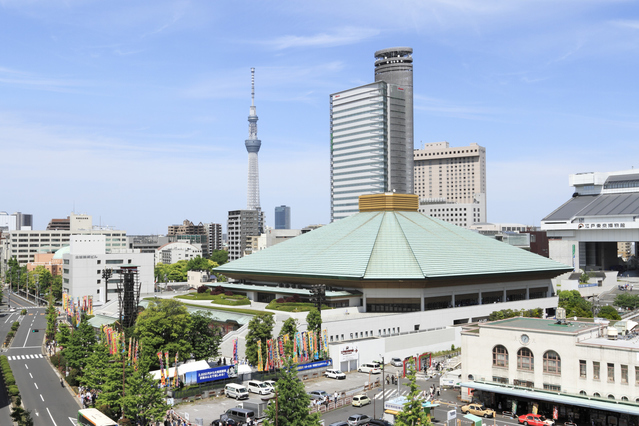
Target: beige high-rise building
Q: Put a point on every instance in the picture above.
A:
(451, 182)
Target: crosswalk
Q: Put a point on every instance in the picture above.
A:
(19, 357)
(390, 393)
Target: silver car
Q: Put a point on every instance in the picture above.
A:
(358, 419)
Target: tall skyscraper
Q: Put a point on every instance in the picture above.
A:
(372, 133)
(253, 145)
(395, 66)
(282, 217)
(451, 182)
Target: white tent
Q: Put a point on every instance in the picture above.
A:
(182, 369)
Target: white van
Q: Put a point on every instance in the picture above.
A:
(369, 368)
(235, 390)
(258, 387)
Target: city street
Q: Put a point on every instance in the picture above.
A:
(38, 383)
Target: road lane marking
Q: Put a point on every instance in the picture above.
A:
(41, 398)
(54, 423)
(25, 340)
(26, 366)
(36, 385)
(30, 375)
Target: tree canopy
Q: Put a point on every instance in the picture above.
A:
(205, 340)
(609, 312)
(314, 320)
(259, 328)
(413, 412)
(627, 301)
(292, 408)
(220, 257)
(574, 304)
(178, 271)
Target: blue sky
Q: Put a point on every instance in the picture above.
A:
(136, 112)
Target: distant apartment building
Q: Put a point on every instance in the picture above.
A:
(282, 217)
(174, 252)
(85, 260)
(451, 182)
(25, 244)
(190, 233)
(241, 225)
(187, 228)
(48, 260)
(213, 237)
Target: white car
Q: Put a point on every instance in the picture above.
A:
(334, 374)
(369, 368)
(258, 387)
(270, 383)
(397, 362)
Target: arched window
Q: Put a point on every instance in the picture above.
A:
(611, 396)
(500, 356)
(525, 359)
(552, 363)
(624, 398)
(596, 395)
(583, 393)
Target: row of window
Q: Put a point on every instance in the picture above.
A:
(596, 372)
(526, 360)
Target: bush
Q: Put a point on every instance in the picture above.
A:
(202, 289)
(15, 326)
(228, 293)
(10, 335)
(9, 380)
(13, 390)
(58, 359)
(72, 378)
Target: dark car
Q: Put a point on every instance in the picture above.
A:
(379, 422)
(339, 424)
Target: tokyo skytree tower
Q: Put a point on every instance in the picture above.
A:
(253, 147)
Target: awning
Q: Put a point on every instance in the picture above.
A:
(473, 418)
(581, 401)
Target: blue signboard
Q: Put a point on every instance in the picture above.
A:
(316, 364)
(210, 374)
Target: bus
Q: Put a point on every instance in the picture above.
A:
(94, 417)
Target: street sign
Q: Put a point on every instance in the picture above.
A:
(452, 414)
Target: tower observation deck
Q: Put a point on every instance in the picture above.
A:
(253, 145)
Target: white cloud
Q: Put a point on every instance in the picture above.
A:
(340, 37)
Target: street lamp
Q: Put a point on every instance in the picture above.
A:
(383, 386)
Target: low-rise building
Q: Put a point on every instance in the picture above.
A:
(174, 252)
(572, 367)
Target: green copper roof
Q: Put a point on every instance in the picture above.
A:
(391, 245)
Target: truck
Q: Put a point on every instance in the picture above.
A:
(451, 379)
(258, 407)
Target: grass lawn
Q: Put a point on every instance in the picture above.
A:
(219, 299)
(219, 308)
(293, 306)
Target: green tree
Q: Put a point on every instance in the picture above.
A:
(292, 407)
(56, 288)
(609, 312)
(143, 400)
(584, 278)
(259, 328)
(52, 316)
(63, 335)
(110, 399)
(413, 413)
(95, 371)
(201, 264)
(627, 301)
(220, 257)
(80, 345)
(164, 326)
(574, 304)
(314, 320)
(205, 337)
(289, 327)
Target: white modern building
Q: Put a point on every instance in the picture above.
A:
(572, 366)
(213, 236)
(24, 244)
(603, 211)
(85, 260)
(367, 124)
(451, 182)
(241, 225)
(174, 252)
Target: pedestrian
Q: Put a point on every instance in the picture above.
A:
(438, 391)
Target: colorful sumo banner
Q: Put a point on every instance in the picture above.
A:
(210, 374)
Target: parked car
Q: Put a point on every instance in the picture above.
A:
(478, 410)
(379, 422)
(358, 419)
(334, 374)
(361, 400)
(369, 368)
(339, 424)
(258, 387)
(378, 364)
(535, 420)
(397, 362)
(318, 394)
(271, 383)
(218, 422)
